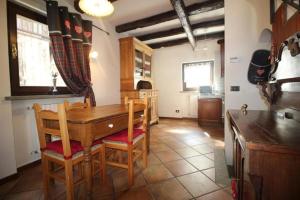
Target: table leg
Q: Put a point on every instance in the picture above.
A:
(88, 171)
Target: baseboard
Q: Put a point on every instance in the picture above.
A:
(19, 170)
(9, 178)
(29, 165)
(184, 118)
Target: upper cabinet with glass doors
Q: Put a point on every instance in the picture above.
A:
(135, 62)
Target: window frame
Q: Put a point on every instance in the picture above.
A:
(16, 90)
(212, 64)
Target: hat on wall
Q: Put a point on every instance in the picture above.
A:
(259, 67)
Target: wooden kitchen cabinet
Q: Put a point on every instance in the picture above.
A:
(136, 82)
(209, 110)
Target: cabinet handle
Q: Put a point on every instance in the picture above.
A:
(14, 51)
(110, 125)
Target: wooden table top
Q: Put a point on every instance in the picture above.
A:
(99, 113)
(266, 128)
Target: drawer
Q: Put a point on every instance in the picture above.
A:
(110, 126)
(113, 125)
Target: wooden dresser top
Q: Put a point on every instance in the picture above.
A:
(264, 129)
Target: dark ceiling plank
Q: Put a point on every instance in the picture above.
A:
(217, 35)
(180, 30)
(180, 9)
(170, 15)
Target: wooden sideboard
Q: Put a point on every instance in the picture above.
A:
(136, 67)
(209, 110)
(266, 155)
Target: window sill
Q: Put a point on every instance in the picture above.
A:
(29, 97)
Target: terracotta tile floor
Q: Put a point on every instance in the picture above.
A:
(183, 164)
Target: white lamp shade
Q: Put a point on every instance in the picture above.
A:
(97, 8)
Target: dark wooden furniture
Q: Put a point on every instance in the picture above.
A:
(209, 110)
(222, 51)
(266, 147)
(266, 155)
(97, 122)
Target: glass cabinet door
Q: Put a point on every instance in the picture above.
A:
(138, 70)
(147, 66)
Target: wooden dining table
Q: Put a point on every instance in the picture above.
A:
(94, 123)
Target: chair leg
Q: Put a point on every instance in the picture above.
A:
(145, 153)
(103, 164)
(45, 166)
(130, 165)
(69, 179)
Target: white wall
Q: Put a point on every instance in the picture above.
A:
(18, 133)
(245, 22)
(7, 151)
(167, 74)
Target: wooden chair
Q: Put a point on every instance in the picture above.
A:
(99, 154)
(77, 105)
(129, 140)
(64, 152)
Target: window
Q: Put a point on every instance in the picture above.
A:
(197, 74)
(31, 63)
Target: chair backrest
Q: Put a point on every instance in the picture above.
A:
(77, 105)
(142, 119)
(52, 123)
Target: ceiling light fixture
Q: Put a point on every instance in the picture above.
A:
(97, 8)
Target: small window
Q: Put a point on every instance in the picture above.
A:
(31, 64)
(197, 74)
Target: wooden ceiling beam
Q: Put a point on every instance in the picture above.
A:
(180, 9)
(180, 30)
(218, 35)
(170, 15)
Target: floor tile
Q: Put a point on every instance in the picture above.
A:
(157, 173)
(176, 145)
(26, 184)
(194, 141)
(28, 195)
(203, 148)
(180, 167)
(5, 188)
(187, 152)
(218, 195)
(197, 184)
(210, 173)
(210, 156)
(201, 162)
(120, 180)
(153, 160)
(166, 156)
(169, 190)
(137, 193)
(159, 147)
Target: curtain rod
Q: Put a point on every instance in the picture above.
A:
(97, 27)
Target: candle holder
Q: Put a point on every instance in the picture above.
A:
(54, 90)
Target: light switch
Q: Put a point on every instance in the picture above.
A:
(235, 59)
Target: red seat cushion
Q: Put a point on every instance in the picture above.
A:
(57, 147)
(76, 147)
(122, 136)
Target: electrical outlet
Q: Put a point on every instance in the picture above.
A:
(177, 111)
(234, 88)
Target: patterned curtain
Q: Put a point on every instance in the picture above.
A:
(71, 40)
